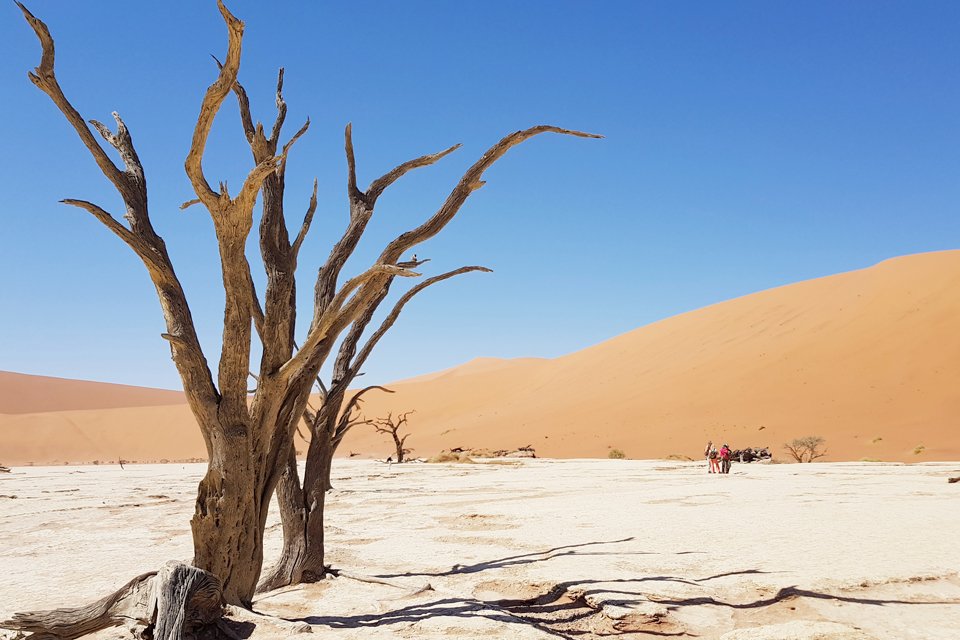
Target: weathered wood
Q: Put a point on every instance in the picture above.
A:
(171, 604)
(187, 599)
(248, 439)
(953, 480)
(131, 603)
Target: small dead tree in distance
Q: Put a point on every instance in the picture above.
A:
(249, 438)
(806, 449)
(391, 426)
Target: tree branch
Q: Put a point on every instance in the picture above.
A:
(185, 348)
(307, 219)
(380, 184)
(286, 148)
(212, 101)
(470, 182)
(108, 221)
(391, 318)
(281, 110)
(352, 191)
(45, 79)
(345, 423)
(246, 119)
(340, 312)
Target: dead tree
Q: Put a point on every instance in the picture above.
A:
(302, 500)
(169, 604)
(249, 436)
(806, 449)
(391, 426)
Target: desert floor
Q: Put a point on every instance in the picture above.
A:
(537, 548)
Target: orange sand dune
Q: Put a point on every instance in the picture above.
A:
(22, 393)
(869, 359)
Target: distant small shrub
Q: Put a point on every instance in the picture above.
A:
(96, 462)
(616, 454)
(877, 439)
(917, 450)
(679, 456)
(870, 460)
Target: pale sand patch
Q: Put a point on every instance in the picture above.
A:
(581, 549)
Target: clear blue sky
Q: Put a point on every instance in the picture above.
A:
(748, 145)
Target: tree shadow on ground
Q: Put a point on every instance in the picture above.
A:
(529, 558)
(574, 609)
(789, 593)
(568, 618)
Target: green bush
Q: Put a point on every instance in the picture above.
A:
(616, 454)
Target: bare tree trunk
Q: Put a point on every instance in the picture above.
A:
(226, 526)
(302, 517)
(398, 443)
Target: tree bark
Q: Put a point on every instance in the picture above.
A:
(170, 604)
(302, 517)
(226, 526)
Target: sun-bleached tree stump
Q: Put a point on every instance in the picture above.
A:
(170, 604)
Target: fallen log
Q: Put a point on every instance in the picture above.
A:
(953, 480)
(170, 604)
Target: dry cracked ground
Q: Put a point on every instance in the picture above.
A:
(536, 549)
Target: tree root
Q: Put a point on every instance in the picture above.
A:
(289, 626)
(170, 604)
(426, 586)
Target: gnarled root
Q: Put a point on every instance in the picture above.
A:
(169, 604)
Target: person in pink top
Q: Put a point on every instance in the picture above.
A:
(725, 454)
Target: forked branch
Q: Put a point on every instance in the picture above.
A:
(391, 318)
(470, 182)
(212, 100)
(140, 236)
(346, 420)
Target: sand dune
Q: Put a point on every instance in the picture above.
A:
(22, 393)
(868, 359)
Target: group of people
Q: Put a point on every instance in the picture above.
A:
(718, 461)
